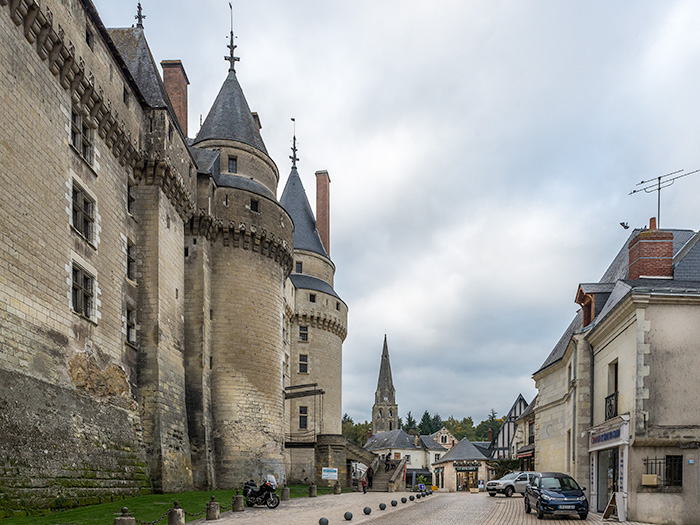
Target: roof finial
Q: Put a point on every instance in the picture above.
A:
(293, 156)
(139, 16)
(232, 59)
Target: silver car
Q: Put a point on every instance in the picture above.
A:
(509, 484)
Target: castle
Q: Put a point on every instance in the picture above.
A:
(165, 322)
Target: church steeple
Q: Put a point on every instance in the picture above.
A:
(385, 415)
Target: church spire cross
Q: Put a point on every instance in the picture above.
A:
(232, 58)
(139, 16)
(293, 156)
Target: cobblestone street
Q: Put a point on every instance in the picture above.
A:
(437, 509)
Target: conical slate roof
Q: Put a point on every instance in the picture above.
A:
(296, 203)
(230, 118)
(385, 384)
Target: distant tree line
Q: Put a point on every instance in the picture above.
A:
(429, 424)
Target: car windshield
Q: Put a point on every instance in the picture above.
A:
(512, 475)
(561, 483)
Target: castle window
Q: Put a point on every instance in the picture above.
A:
(83, 212)
(187, 251)
(303, 364)
(170, 131)
(312, 297)
(131, 325)
(303, 418)
(81, 135)
(82, 292)
(303, 333)
(255, 205)
(337, 305)
(125, 95)
(299, 267)
(130, 261)
(130, 198)
(233, 164)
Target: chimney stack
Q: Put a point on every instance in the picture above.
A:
(651, 254)
(490, 435)
(176, 82)
(416, 440)
(323, 209)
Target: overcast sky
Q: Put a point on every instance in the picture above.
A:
(481, 154)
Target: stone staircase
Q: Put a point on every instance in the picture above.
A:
(380, 482)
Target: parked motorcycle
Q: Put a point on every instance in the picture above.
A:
(263, 495)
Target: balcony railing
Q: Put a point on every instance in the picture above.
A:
(611, 406)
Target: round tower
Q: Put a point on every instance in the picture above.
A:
(316, 328)
(250, 238)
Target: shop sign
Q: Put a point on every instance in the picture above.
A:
(609, 438)
(466, 469)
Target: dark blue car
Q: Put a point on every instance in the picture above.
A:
(555, 493)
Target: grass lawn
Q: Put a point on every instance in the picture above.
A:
(146, 508)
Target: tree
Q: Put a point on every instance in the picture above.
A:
(425, 424)
(356, 433)
(482, 429)
(410, 422)
(460, 429)
(347, 419)
(501, 467)
(435, 423)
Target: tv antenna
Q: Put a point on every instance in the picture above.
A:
(659, 183)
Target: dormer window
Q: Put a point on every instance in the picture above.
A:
(592, 298)
(233, 164)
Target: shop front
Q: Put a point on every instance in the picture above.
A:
(467, 473)
(608, 453)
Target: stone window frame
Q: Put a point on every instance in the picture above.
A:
(82, 136)
(299, 267)
(83, 212)
(131, 260)
(303, 334)
(254, 205)
(303, 417)
(130, 198)
(130, 322)
(312, 297)
(83, 290)
(232, 163)
(303, 363)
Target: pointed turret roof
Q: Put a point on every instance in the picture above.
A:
(230, 118)
(296, 203)
(385, 382)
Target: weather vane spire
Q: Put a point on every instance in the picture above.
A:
(232, 58)
(139, 16)
(293, 156)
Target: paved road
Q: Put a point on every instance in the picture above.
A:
(437, 509)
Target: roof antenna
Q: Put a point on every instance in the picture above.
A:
(232, 59)
(139, 16)
(658, 184)
(293, 156)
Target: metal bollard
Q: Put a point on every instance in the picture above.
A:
(284, 496)
(312, 490)
(125, 519)
(337, 489)
(176, 516)
(213, 510)
(238, 500)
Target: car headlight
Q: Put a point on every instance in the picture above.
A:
(546, 497)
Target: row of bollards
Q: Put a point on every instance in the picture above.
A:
(382, 506)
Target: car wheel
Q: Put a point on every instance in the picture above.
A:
(583, 515)
(492, 494)
(509, 492)
(540, 512)
(528, 509)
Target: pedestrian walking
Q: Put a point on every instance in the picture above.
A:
(370, 475)
(364, 485)
(386, 463)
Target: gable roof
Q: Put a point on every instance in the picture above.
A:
(296, 203)
(464, 450)
(230, 117)
(391, 439)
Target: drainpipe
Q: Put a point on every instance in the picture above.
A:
(574, 434)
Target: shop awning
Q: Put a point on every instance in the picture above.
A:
(526, 452)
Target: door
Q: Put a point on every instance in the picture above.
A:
(520, 483)
(607, 476)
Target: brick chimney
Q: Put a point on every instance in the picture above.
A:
(651, 253)
(490, 435)
(176, 82)
(323, 209)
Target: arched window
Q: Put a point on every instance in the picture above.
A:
(391, 413)
(391, 425)
(380, 412)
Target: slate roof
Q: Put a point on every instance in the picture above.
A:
(207, 161)
(430, 444)
(230, 118)
(615, 282)
(296, 203)
(133, 48)
(400, 439)
(529, 410)
(307, 282)
(385, 383)
(484, 447)
(462, 451)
